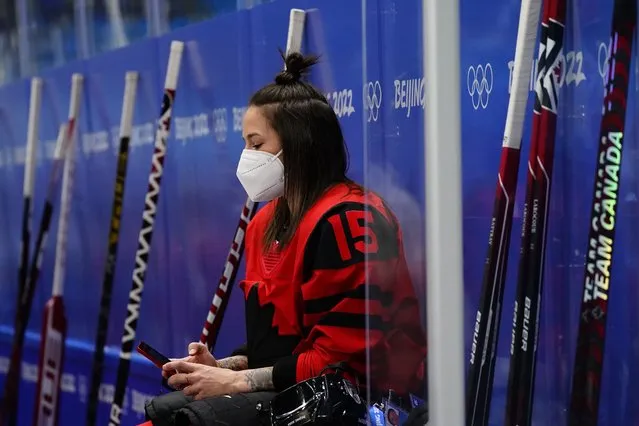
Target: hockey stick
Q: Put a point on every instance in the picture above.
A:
(10, 402)
(521, 381)
(146, 231)
(589, 357)
(484, 343)
(54, 321)
(29, 182)
(126, 122)
(222, 295)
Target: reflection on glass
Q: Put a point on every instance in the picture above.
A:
(9, 65)
(55, 32)
(183, 12)
(51, 33)
(117, 23)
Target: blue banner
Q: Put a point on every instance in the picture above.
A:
(371, 72)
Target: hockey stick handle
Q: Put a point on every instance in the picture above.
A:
(67, 187)
(295, 31)
(77, 80)
(524, 53)
(126, 120)
(35, 102)
(62, 145)
(128, 103)
(59, 155)
(173, 67)
(29, 182)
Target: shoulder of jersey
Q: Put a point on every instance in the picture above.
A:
(350, 233)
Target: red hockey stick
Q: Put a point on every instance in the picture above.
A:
(54, 321)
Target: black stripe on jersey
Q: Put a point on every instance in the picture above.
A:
(325, 304)
(348, 320)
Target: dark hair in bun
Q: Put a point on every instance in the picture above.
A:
(315, 155)
(296, 65)
(289, 85)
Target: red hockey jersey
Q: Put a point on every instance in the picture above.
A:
(339, 289)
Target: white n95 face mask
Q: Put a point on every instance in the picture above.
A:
(261, 174)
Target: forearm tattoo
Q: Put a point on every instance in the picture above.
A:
(259, 379)
(236, 363)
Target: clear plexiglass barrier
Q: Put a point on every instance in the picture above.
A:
(577, 258)
(582, 243)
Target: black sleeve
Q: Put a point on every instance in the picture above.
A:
(240, 351)
(285, 373)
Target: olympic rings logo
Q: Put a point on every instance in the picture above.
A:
(373, 100)
(603, 60)
(479, 81)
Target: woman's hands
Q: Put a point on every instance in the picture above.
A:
(200, 375)
(198, 354)
(201, 381)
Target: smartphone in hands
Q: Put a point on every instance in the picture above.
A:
(152, 355)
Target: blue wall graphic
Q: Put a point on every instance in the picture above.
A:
(371, 70)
